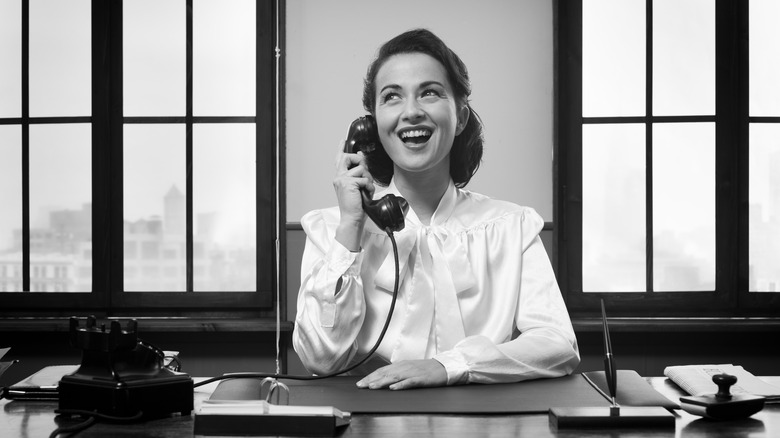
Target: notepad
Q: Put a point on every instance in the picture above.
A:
(262, 407)
(260, 418)
(42, 385)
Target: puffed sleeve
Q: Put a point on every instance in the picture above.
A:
(544, 344)
(331, 306)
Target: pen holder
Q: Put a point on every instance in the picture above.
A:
(610, 416)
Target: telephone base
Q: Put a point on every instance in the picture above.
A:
(153, 396)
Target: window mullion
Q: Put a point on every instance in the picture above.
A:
(727, 139)
(102, 152)
(189, 155)
(25, 145)
(732, 99)
(649, 145)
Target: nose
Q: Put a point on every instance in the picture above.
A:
(412, 110)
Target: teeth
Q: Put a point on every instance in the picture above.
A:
(415, 133)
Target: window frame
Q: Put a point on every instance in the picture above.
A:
(731, 296)
(107, 297)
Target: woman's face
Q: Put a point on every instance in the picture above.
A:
(416, 113)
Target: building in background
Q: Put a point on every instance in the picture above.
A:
(154, 254)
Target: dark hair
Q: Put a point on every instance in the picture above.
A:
(466, 152)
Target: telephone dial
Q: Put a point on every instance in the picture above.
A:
(387, 212)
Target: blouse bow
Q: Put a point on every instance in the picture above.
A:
(440, 270)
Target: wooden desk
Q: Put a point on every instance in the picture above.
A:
(37, 419)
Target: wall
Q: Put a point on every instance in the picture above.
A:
(506, 44)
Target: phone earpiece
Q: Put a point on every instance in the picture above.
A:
(362, 136)
(388, 213)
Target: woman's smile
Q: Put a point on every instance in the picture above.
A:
(415, 137)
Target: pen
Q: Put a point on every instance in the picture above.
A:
(609, 361)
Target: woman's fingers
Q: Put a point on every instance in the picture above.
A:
(406, 374)
(351, 171)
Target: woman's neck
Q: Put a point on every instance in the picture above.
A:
(422, 191)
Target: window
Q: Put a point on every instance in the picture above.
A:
(138, 148)
(667, 126)
(764, 155)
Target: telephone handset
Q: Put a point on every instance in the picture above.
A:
(389, 211)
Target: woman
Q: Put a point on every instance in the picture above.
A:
(478, 300)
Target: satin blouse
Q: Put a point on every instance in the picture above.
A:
(477, 293)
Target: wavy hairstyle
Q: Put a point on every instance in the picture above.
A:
(466, 153)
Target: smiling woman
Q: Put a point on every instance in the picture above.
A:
(411, 86)
(464, 257)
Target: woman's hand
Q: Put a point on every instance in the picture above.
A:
(406, 374)
(352, 176)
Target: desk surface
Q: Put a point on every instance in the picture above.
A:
(37, 419)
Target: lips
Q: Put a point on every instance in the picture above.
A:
(415, 136)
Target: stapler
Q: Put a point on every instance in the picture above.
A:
(121, 375)
(723, 405)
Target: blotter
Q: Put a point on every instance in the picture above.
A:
(634, 389)
(260, 418)
(531, 396)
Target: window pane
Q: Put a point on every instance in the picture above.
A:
(683, 57)
(764, 63)
(60, 58)
(764, 208)
(225, 207)
(61, 208)
(613, 208)
(684, 207)
(155, 52)
(613, 58)
(154, 208)
(10, 59)
(224, 58)
(11, 208)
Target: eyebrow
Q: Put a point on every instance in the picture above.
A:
(390, 86)
(422, 85)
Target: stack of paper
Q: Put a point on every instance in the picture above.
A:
(696, 380)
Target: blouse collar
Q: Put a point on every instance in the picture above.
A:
(440, 215)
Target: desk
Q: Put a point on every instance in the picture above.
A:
(37, 419)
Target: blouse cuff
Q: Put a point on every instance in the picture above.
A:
(455, 365)
(342, 260)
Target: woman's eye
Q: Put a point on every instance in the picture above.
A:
(430, 93)
(389, 97)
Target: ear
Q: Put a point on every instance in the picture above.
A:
(463, 118)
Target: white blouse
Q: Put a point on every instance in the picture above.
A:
(477, 293)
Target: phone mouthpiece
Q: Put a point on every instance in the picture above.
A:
(388, 212)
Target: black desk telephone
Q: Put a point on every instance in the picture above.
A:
(389, 211)
(121, 375)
